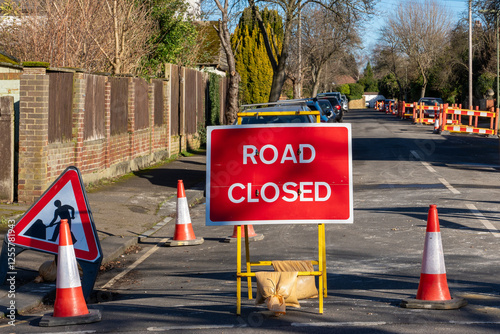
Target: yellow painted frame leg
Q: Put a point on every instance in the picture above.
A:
(238, 270)
(321, 264)
(325, 288)
(249, 267)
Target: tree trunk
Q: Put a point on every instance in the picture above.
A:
(234, 77)
(424, 87)
(296, 87)
(279, 66)
(279, 73)
(316, 81)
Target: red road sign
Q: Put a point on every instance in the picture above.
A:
(64, 199)
(279, 174)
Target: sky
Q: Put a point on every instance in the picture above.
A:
(383, 7)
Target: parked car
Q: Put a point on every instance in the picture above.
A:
(338, 95)
(345, 103)
(328, 109)
(276, 112)
(336, 104)
(430, 101)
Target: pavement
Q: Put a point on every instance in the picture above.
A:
(126, 212)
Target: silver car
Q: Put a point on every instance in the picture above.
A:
(345, 103)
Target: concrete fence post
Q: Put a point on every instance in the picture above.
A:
(7, 148)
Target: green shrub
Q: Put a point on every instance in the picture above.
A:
(355, 91)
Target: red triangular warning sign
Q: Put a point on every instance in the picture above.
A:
(64, 199)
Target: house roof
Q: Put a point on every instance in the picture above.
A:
(212, 52)
(343, 79)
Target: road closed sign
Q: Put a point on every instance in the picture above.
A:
(279, 174)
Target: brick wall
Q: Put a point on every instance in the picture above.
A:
(100, 156)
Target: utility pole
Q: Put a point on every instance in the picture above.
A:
(470, 55)
(299, 32)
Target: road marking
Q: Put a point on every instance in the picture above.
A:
(449, 186)
(192, 327)
(416, 155)
(133, 265)
(340, 324)
(65, 332)
(432, 170)
(428, 166)
(474, 322)
(483, 220)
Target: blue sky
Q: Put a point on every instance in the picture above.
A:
(457, 8)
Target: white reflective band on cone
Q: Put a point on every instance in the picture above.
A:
(433, 258)
(183, 211)
(67, 268)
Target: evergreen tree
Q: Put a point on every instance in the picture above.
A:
(252, 62)
(368, 81)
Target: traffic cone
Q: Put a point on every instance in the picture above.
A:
(436, 125)
(70, 307)
(251, 234)
(184, 234)
(433, 292)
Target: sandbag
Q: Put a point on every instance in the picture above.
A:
(306, 285)
(276, 303)
(273, 283)
(48, 272)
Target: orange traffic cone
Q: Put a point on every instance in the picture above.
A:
(251, 234)
(433, 292)
(70, 307)
(436, 124)
(184, 234)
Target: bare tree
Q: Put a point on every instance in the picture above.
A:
(419, 30)
(388, 59)
(347, 9)
(94, 35)
(234, 77)
(326, 35)
(131, 26)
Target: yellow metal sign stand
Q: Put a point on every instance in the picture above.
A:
(321, 263)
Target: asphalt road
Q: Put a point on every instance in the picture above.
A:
(399, 169)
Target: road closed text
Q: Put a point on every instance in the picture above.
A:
(262, 174)
(271, 192)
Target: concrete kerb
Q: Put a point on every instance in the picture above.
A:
(32, 294)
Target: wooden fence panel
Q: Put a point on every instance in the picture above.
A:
(201, 88)
(60, 106)
(94, 114)
(158, 102)
(119, 105)
(191, 101)
(141, 103)
(174, 100)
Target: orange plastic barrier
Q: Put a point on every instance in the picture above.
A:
(404, 109)
(418, 114)
(379, 106)
(391, 108)
(454, 115)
